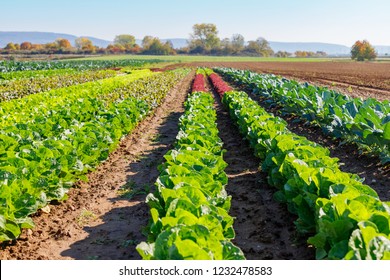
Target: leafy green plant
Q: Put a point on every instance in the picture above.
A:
(18, 88)
(189, 210)
(364, 122)
(50, 146)
(12, 66)
(349, 219)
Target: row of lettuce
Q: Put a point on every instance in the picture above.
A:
(364, 122)
(21, 87)
(52, 139)
(189, 209)
(12, 66)
(348, 218)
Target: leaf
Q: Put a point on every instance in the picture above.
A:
(386, 131)
(146, 250)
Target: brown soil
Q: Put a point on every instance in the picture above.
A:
(101, 219)
(364, 79)
(264, 228)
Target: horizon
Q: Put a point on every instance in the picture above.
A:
(324, 21)
(290, 42)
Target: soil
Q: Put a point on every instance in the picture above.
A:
(264, 228)
(365, 79)
(104, 218)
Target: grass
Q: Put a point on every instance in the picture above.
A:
(130, 189)
(85, 217)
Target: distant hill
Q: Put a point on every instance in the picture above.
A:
(46, 37)
(43, 38)
(383, 50)
(292, 47)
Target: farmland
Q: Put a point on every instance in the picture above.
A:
(356, 79)
(105, 159)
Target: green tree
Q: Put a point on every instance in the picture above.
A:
(237, 43)
(282, 54)
(259, 47)
(362, 50)
(147, 41)
(156, 47)
(125, 40)
(226, 46)
(204, 37)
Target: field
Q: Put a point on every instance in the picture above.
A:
(356, 79)
(105, 159)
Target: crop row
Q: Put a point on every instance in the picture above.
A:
(11, 66)
(364, 122)
(17, 75)
(19, 88)
(189, 210)
(59, 102)
(198, 84)
(41, 157)
(350, 220)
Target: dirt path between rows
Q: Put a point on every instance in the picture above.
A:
(264, 228)
(103, 219)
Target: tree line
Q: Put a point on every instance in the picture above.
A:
(203, 40)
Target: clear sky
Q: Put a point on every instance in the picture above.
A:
(329, 21)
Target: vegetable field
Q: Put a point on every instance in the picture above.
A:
(110, 160)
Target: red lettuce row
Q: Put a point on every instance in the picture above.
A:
(198, 84)
(219, 85)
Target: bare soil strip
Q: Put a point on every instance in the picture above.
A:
(103, 219)
(264, 228)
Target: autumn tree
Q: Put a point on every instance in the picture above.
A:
(51, 47)
(37, 47)
(63, 44)
(301, 53)
(362, 50)
(204, 37)
(10, 47)
(115, 49)
(25, 46)
(84, 44)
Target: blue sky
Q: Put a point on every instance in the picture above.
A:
(330, 21)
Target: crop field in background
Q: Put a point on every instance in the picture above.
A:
(192, 157)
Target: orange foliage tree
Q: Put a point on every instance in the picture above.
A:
(63, 43)
(85, 45)
(25, 46)
(362, 50)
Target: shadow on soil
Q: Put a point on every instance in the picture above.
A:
(121, 230)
